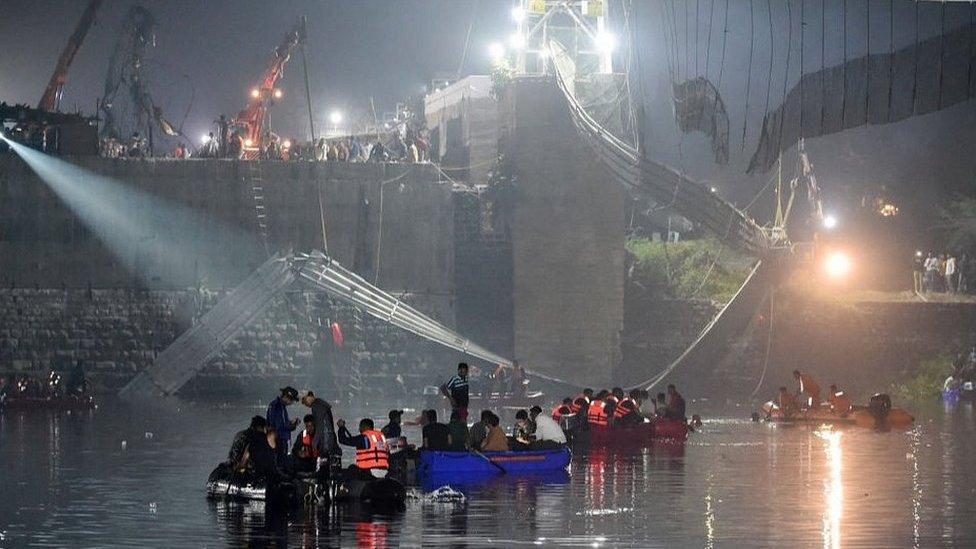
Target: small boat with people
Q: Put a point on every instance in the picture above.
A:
(638, 434)
(805, 406)
(478, 463)
(613, 419)
(73, 403)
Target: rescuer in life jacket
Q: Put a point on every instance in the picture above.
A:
(838, 401)
(807, 389)
(304, 454)
(372, 454)
(564, 409)
(597, 414)
(628, 409)
(581, 402)
(787, 403)
(675, 404)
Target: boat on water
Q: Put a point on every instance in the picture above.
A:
(55, 403)
(639, 434)
(876, 415)
(479, 463)
(224, 484)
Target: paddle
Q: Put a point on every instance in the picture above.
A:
(484, 457)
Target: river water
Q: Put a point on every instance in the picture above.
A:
(69, 481)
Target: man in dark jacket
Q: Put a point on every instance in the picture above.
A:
(325, 434)
(242, 439)
(277, 417)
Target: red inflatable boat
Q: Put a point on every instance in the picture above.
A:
(640, 434)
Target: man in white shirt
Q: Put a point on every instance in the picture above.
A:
(548, 433)
(950, 274)
(931, 272)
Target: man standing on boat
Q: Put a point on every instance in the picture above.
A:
(456, 389)
(807, 389)
(277, 417)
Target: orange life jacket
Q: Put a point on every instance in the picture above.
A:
(597, 414)
(622, 410)
(377, 456)
(839, 402)
(559, 411)
(307, 442)
(575, 407)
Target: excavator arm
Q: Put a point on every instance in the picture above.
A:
(55, 88)
(250, 121)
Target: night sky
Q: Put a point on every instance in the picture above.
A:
(387, 49)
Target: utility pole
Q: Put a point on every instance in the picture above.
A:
(308, 92)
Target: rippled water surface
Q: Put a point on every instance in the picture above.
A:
(67, 480)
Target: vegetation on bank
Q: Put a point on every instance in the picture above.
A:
(927, 382)
(689, 269)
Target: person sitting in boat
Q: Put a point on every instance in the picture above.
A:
(396, 443)
(660, 405)
(495, 440)
(564, 409)
(582, 401)
(675, 405)
(479, 431)
(628, 409)
(235, 457)
(787, 403)
(457, 433)
(259, 456)
(838, 401)
(304, 455)
(456, 389)
(807, 389)
(523, 434)
(372, 455)
(598, 415)
(435, 435)
(548, 433)
(616, 395)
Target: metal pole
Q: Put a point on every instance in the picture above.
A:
(308, 92)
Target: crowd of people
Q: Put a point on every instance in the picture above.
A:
(807, 397)
(403, 144)
(609, 408)
(941, 273)
(53, 386)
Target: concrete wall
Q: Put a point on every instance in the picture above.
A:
(116, 333)
(397, 218)
(567, 240)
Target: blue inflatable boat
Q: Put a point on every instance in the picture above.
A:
(529, 461)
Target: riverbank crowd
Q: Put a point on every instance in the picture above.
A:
(942, 272)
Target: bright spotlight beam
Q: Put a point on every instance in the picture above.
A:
(146, 233)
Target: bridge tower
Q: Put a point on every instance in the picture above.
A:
(580, 25)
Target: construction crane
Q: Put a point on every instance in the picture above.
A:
(249, 123)
(51, 99)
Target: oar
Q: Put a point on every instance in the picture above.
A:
(484, 457)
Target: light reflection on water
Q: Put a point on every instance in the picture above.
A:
(68, 481)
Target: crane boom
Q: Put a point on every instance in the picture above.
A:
(55, 88)
(251, 119)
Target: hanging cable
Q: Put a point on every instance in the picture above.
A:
(786, 73)
(803, 26)
(915, 52)
(725, 36)
(769, 346)
(823, 66)
(697, 28)
(708, 41)
(867, 76)
(843, 102)
(769, 74)
(891, 54)
(752, 43)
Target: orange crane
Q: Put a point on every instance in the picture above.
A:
(249, 123)
(51, 99)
